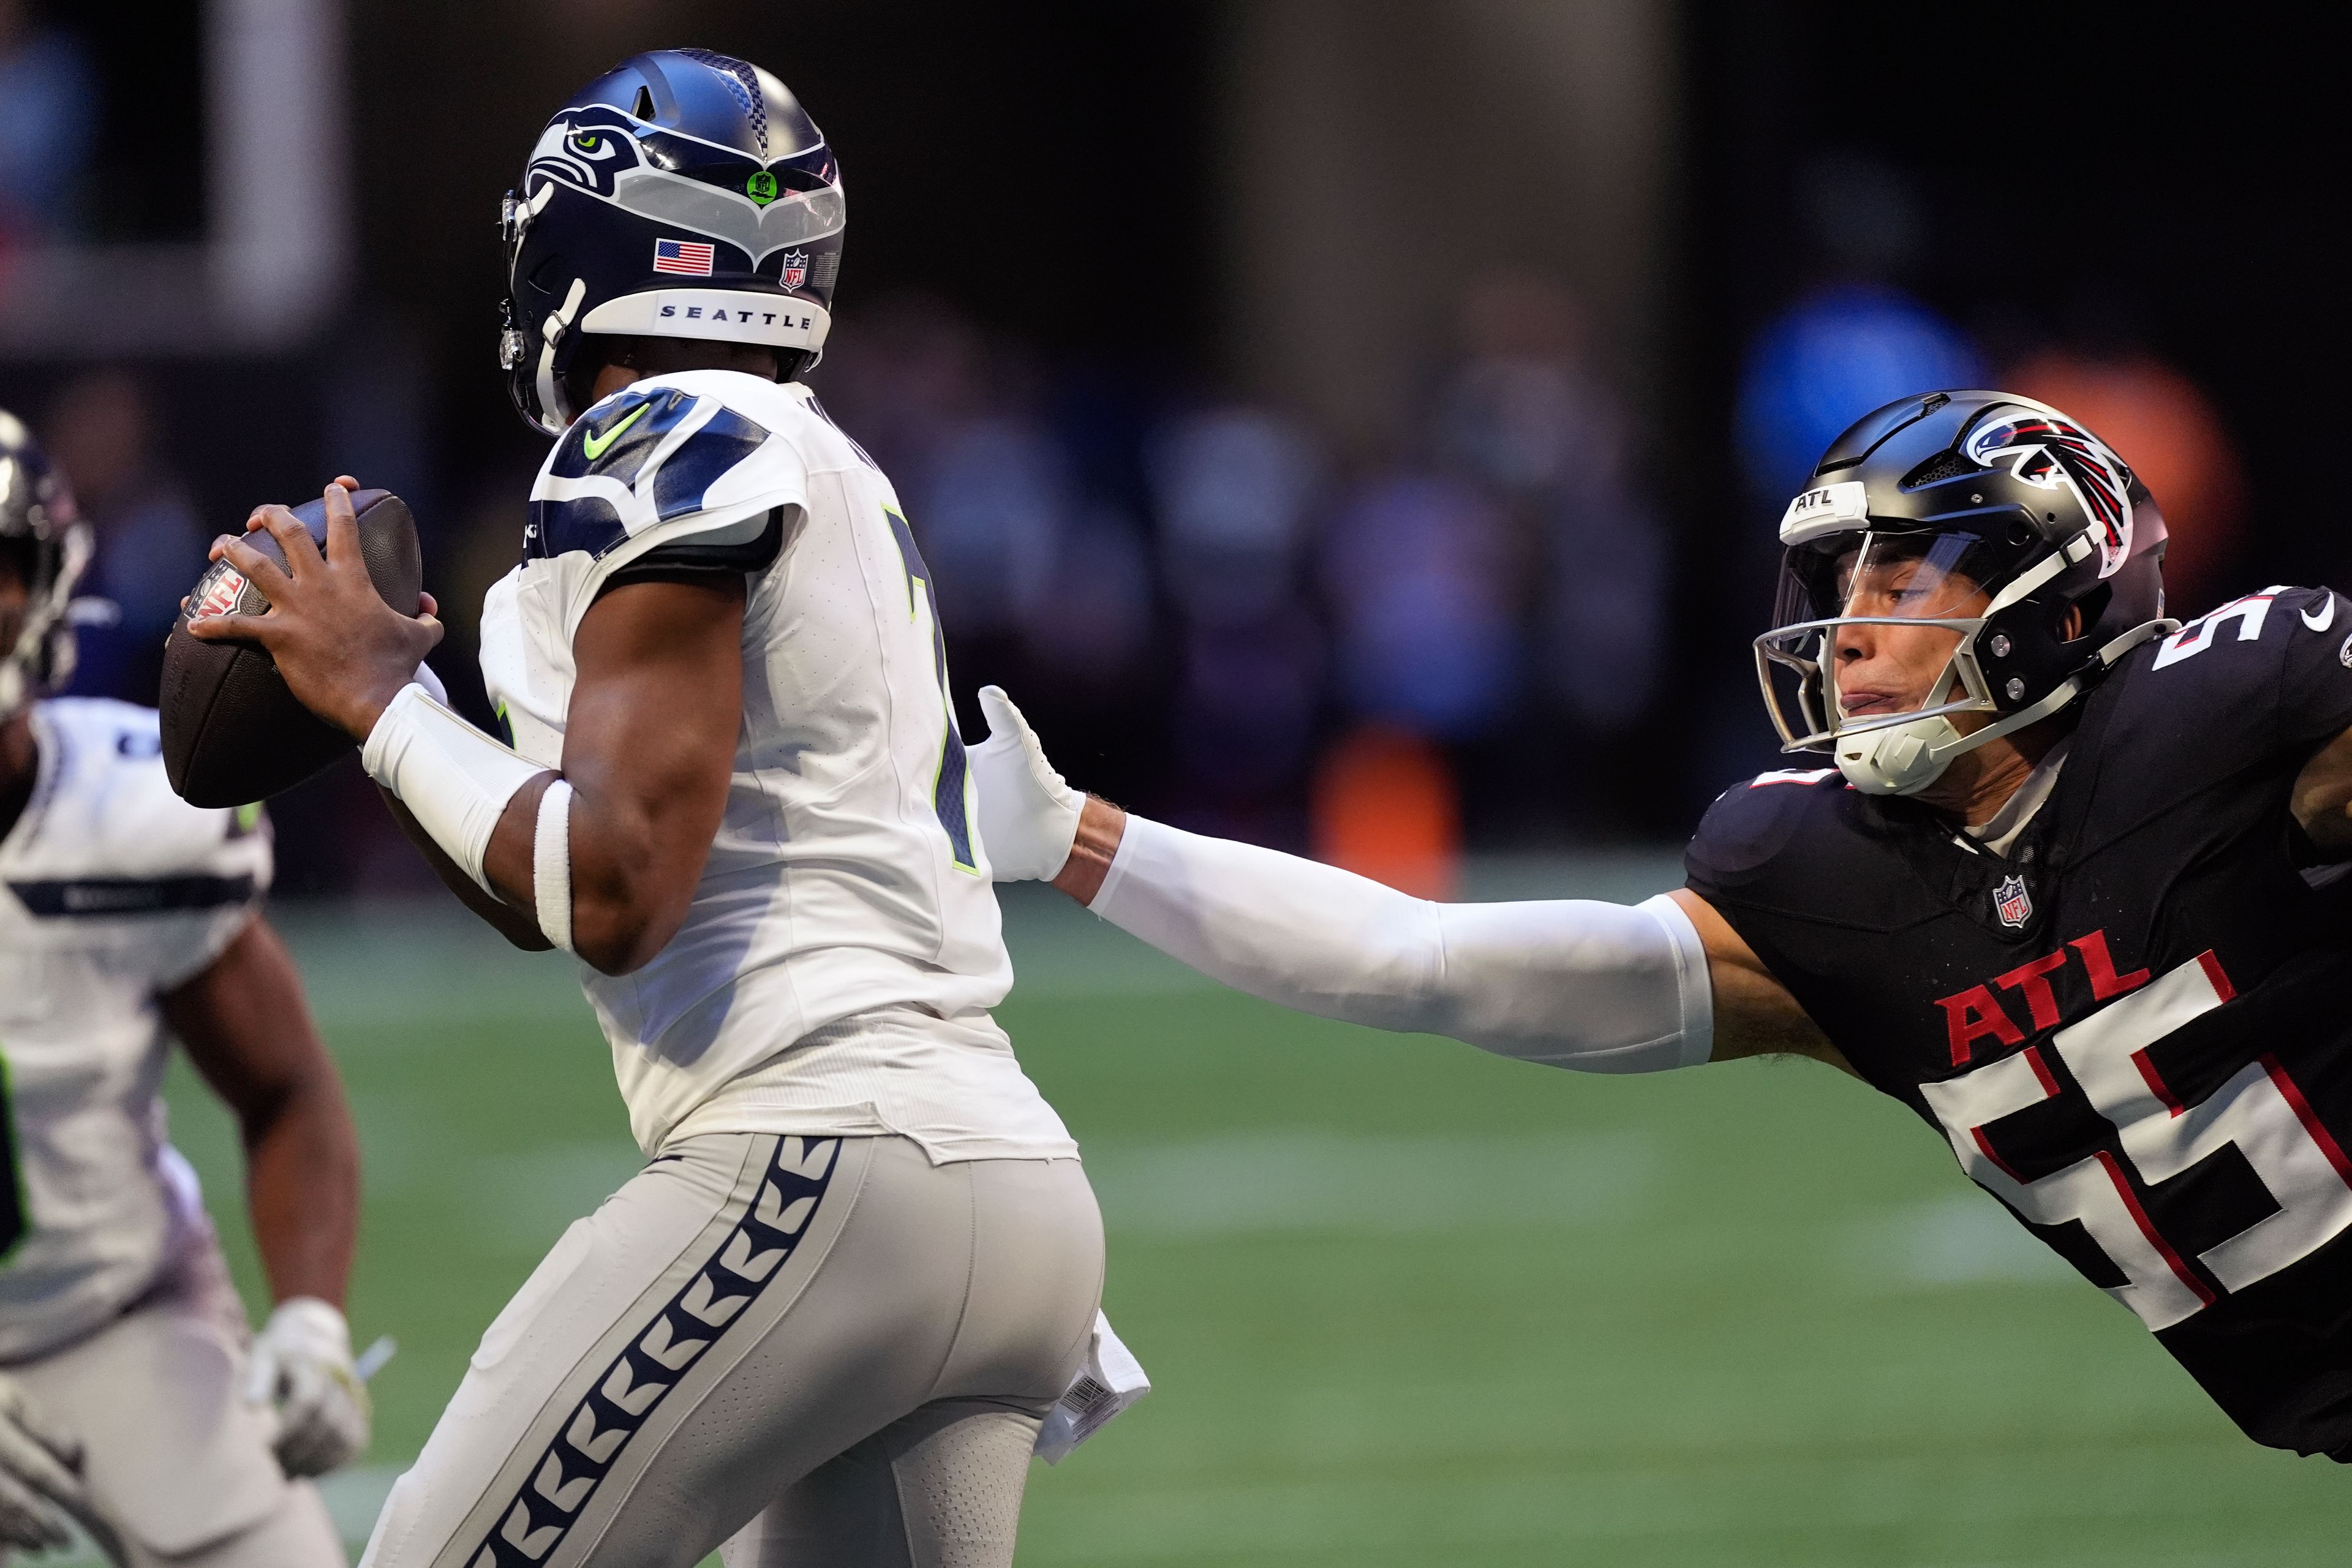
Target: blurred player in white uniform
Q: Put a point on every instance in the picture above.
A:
(129, 1398)
(863, 1262)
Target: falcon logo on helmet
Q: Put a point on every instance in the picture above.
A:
(2053, 454)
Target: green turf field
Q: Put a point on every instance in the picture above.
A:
(1403, 1303)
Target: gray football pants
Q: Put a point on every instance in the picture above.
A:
(830, 1351)
(177, 1461)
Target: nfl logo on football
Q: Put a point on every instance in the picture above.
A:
(218, 596)
(795, 268)
(2014, 905)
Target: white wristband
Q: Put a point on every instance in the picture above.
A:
(455, 780)
(551, 865)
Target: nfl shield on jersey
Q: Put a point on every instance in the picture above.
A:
(835, 969)
(2131, 1027)
(112, 890)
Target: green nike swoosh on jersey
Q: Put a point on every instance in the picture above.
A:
(595, 445)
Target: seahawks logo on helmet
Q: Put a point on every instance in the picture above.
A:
(587, 150)
(2052, 453)
(683, 181)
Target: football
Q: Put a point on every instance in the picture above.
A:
(233, 732)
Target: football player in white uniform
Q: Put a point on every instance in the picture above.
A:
(863, 1264)
(129, 1398)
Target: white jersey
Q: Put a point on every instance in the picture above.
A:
(112, 890)
(835, 969)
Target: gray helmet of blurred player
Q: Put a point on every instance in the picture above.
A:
(46, 544)
(1964, 491)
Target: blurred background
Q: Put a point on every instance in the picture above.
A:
(1352, 425)
(1356, 425)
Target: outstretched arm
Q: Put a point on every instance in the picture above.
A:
(1594, 986)
(1574, 982)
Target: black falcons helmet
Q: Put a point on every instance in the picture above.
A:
(2024, 502)
(48, 546)
(684, 195)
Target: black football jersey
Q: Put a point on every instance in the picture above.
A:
(2135, 1028)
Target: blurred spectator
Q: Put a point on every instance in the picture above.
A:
(1852, 340)
(1245, 724)
(1831, 357)
(48, 98)
(897, 373)
(1420, 572)
(1527, 416)
(1232, 486)
(2170, 433)
(1097, 619)
(150, 546)
(989, 502)
(987, 487)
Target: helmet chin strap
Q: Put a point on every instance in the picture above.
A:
(554, 414)
(1904, 759)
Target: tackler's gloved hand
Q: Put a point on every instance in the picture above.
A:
(302, 1362)
(1028, 815)
(40, 1475)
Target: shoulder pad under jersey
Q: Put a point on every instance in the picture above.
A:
(1751, 823)
(106, 834)
(650, 457)
(2261, 671)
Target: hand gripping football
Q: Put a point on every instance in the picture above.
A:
(233, 732)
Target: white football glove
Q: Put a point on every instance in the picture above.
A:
(301, 1363)
(1028, 816)
(40, 1475)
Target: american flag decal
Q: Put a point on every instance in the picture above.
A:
(684, 256)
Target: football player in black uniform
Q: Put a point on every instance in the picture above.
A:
(2061, 891)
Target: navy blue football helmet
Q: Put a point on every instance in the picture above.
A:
(683, 193)
(48, 546)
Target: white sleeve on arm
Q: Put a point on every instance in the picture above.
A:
(1596, 987)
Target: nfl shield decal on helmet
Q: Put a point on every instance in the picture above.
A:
(795, 268)
(2053, 454)
(2013, 902)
